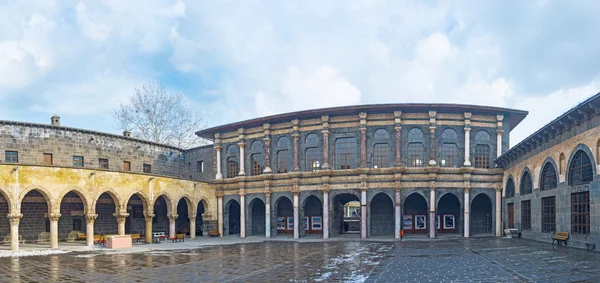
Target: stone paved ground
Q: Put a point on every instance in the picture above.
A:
(486, 260)
(451, 260)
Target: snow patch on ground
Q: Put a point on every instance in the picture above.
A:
(33, 253)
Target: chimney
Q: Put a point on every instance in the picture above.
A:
(126, 133)
(55, 120)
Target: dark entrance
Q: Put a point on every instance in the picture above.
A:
(284, 219)
(200, 228)
(448, 214)
(182, 223)
(382, 215)
(233, 217)
(35, 225)
(313, 215)
(346, 215)
(511, 215)
(414, 217)
(160, 222)
(106, 222)
(72, 217)
(481, 215)
(135, 222)
(256, 219)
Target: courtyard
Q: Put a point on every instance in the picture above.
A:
(230, 259)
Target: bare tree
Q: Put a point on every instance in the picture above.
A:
(155, 114)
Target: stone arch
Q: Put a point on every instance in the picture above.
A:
(113, 195)
(190, 204)
(522, 185)
(448, 209)
(482, 213)
(382, 215)
(509, 187)
(81, 193)
(587, 151)
(205, 204)
(419, 193)
(441, 195)
(256, 217)
(305, 196)
(415, 209)
(168, 200)
(390, 193)
(9, 199)
(285, 211)
(548, 160)
(144, 199)
(185, 211)
(41, 190)
(312, 208)
(232, 210)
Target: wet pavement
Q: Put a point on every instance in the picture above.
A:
(451, 260)
(486, 260)
(255, 262)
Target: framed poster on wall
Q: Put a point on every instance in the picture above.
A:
(280, 223)
(449, 221)
(437, 222)
(407, 221)
(290, 223)
(317, 223)
(306, 223)
(420, 221)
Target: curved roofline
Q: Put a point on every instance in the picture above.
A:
(516, 116)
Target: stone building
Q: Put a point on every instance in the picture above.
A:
(423, 168)
(551, 178)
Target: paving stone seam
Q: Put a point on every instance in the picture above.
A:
(501, 266)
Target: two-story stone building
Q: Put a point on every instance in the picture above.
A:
(423, 168)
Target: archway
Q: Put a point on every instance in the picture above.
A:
(256, 219)
(200, 228)
(414, 218)
(4, 211)
(135, 223)
(182, 223)
(481, 215)
(160, 222)
(106, 222)
(346, 215)
(448, 214)
(284, 216)
(72, 218)
(34, 227)
(382, 215)
(232, 214)
(313, 215)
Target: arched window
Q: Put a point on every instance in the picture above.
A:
(416, 149)
(382, 155)
(449, 148)
(284, 156)
(548, 180)
(510, 189)
(233, 163)
(580, 170)
(526, 185)
(312, 154)
(345, 153)
(256, 158)
(381, 135)
(482, 150)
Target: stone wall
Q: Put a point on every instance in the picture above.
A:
(193, 157)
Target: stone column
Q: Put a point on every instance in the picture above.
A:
(242, 215)
(121, 222)
(325, 214)
(89, 228)
(295, 166)
(296, 217)
(363, 147)
(219, 174)
(467, 146)
(148, 218)
(397, 215)
(267, 155)
(432, 217)
(14, 231)
(398, 161)
(193, 227)
(268, 215)
(432, 144)
(499, 142)
(499, 212)
(363, 214)
(53, 217)
(325, 149)
(467, 207)
(172, 219)
(220, 214)
(242, 155)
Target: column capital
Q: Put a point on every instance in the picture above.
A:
(120, 215)
(219, 194)
(148, 216)
(499, 131)
(498, 190)
(192, 218)
(241, 144)
(325, 132)
(218, 147)
(467, 129)
(15, 218)
(91, 216)
(172, 217)
(54, 216)
(267, 194)
(466, 189)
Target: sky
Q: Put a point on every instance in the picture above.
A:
(236, 60)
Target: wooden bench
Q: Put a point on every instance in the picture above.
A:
(560, 237)
(214, 233)
(178, 238)
(515, 233)
(136, 237)
(81, 236)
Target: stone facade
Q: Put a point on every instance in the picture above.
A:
(555, 145)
